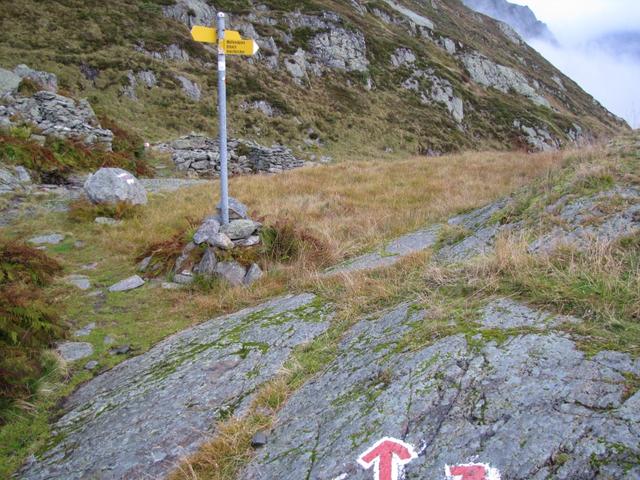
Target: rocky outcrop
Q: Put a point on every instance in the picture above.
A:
(532, 405)
(538, 138)
(57, 116)
(505, 79)
(519, 17)
(14, 179)
(138, 419)
(341, 49)
(432, 88)
(201, 155)
(191, 12)
(190, 88)
(114, 185)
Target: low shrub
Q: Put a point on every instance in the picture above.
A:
(84, 211)
(285, 241)
(28, 324)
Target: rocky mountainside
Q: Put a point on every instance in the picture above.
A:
(425, 76)
(521, 18)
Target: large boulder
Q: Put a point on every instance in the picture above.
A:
(113, 185)
(9, 81)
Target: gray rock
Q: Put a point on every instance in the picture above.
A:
(237, 209)
(191, 12)
(79, 281)
(238, 229)
(513, 405)
(14, 179)
(341, 49)
(392, 253)
(86, 330)
(107, 221)
(402, 56)
(207, 265)
(184, 259)
(72, 351)
(50, 239)
(108, 340)
(184, 278)
(190, 88)
(48, 81)
(91, 364)
(121, 350)
(112, 185)
(232, 272)
(171, 285)
(144, 263)
(209, 228)
(507, 314)
(9, 81)
(251, 241)
(489, 74)
(127, 284)
(58, 116)
(169, 400)
(254, 273)
(221, 241)
(414, 17)
(259, 440)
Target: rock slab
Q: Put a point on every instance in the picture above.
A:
(138, 419)
(520, 406)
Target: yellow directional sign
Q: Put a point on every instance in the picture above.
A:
(204, 34)
(233, 43)
(209, 35)
(239, 47)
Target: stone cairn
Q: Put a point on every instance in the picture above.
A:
(200, 155)
(215, 239)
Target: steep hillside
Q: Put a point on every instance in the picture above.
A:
(423, 76)
(520, 17)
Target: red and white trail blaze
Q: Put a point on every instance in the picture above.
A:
(387, 456)
(471, 471)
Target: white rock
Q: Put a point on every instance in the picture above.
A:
(113, 185)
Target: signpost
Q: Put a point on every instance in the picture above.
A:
(229, 43)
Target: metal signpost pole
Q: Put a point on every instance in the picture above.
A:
(222, 111)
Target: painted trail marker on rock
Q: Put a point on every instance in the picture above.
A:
(387, 456)
(471, 471)
(229, 43)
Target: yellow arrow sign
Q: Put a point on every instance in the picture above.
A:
(233, 46)
(209, 35)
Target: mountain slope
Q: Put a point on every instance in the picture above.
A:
(427, 76)
(520, 17)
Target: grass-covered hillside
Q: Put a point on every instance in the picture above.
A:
(339, 74)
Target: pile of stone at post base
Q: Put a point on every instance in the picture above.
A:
(214, 241)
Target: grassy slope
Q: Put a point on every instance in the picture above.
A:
(335, 202)
(71, 34)
(601, 286)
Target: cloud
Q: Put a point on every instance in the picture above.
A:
(608, 73)
(612, 80)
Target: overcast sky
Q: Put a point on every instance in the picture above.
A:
(613, 79)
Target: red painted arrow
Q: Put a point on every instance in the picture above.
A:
(468, 472)
(388, 456)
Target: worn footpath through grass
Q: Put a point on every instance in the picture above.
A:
(350, 207)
